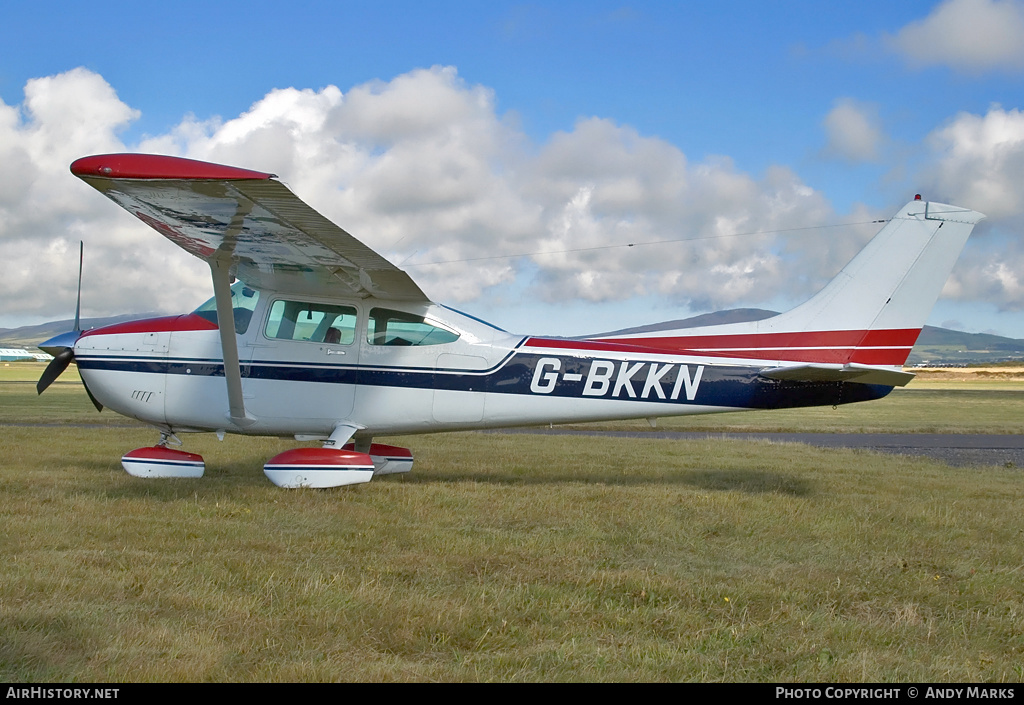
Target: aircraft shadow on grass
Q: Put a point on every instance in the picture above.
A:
(236, 475)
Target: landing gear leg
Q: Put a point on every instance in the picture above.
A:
(168, 437)
(387, 460)
(362, 444)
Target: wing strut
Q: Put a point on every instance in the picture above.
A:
(220, 269)
(229, 345)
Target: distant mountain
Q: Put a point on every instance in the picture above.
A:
(31, 336)
(945, 346)
(939, 346)
(733, 315)
(931, 335)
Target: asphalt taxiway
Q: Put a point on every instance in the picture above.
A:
(1006, 450)
(951, 448)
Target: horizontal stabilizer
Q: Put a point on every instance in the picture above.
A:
(861, 374)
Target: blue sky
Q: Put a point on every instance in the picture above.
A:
(841, 99)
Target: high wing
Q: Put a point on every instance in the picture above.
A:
(244, 223)
(248, 222)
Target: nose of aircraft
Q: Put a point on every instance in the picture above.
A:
(59, 343)
(62, 347)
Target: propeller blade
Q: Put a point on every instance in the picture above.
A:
(57, 365)
(62, 346)
(95, 402)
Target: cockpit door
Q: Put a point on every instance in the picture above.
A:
(301, 369)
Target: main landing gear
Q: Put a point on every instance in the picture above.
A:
(333, 467)
(298, 467)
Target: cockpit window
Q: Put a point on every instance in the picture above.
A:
(243, 302)
(387, 327)
(321, 323)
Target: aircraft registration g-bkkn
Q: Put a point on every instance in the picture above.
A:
(331, 342)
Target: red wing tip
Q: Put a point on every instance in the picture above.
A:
(156, 166)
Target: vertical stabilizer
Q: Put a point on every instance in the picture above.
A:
(894, 282)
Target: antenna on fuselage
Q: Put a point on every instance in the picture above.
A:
(78, 300)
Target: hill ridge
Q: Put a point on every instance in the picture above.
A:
(935, 345)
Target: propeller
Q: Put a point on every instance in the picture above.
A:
(62, 346)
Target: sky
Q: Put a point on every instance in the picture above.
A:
(508, 154)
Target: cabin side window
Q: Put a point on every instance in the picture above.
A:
(319, 323)
(387, 327)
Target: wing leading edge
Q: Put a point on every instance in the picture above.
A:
(248, 221)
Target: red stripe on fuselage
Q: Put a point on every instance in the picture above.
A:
(165, 324)
(880, 356)
(807, 339)
(876, 347)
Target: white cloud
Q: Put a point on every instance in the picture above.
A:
(993, 274)
(978, 161)
(423, 169)
(44, 210)
(853, 132)
(971, 36)
(603, 185)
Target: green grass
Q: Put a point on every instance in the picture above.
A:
(64, 402)
(29, 371)
(509, 558)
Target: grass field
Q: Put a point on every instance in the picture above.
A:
(511, 558)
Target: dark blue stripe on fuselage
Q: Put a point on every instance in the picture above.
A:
(728, 386)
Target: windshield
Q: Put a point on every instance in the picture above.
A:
(243, 301)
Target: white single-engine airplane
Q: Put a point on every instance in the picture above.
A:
(331, 342)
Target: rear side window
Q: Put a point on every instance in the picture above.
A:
(319, 323)
(387, 327)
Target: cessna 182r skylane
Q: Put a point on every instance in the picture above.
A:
(331, 342)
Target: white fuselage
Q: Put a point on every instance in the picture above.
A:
(169, 373)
